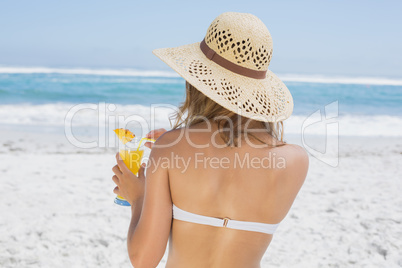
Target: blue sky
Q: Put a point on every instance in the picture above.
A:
(310, 37)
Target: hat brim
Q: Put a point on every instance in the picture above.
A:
(267, 100)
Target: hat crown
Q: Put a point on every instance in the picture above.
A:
(242, 39)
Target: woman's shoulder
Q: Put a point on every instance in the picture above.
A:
(296, 150)
(168, 140)
(296, 161)
(185, 136)
(294, 153)
(171, 137)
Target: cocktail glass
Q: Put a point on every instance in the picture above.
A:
(133, 158)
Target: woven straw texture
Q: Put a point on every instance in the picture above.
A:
(244, 40)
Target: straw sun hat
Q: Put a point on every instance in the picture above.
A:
(230, 66)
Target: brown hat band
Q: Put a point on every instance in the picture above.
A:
(212, 55)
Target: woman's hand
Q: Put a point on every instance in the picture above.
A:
(154, 134)
(129, 186)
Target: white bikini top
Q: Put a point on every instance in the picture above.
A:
(182, 215)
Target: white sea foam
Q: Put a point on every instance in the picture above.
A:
(363, 80)
(55, 114)
(83, 115)
(347, 125)
(86, 71)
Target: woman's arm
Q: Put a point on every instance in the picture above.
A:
(136, 207)
(152, 215)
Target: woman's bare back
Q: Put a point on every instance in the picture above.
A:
(242, 183)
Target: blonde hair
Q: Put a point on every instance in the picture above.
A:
(199, 107)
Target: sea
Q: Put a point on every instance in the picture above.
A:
(49, 99)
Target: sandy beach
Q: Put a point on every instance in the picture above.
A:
(71, 72)
(57, 207)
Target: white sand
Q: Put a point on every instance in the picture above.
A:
(57, 208)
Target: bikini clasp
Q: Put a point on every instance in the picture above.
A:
(225, 221)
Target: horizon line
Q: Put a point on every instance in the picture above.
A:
(287, 77)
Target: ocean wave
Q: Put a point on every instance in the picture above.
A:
(156, 116)
(84, 114)
(345, 125)
(86, 71)
(361, 80)
(340, 80)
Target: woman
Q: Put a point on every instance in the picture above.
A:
(222, 180)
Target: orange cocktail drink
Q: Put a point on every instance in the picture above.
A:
(132, 159)
(131, 155)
